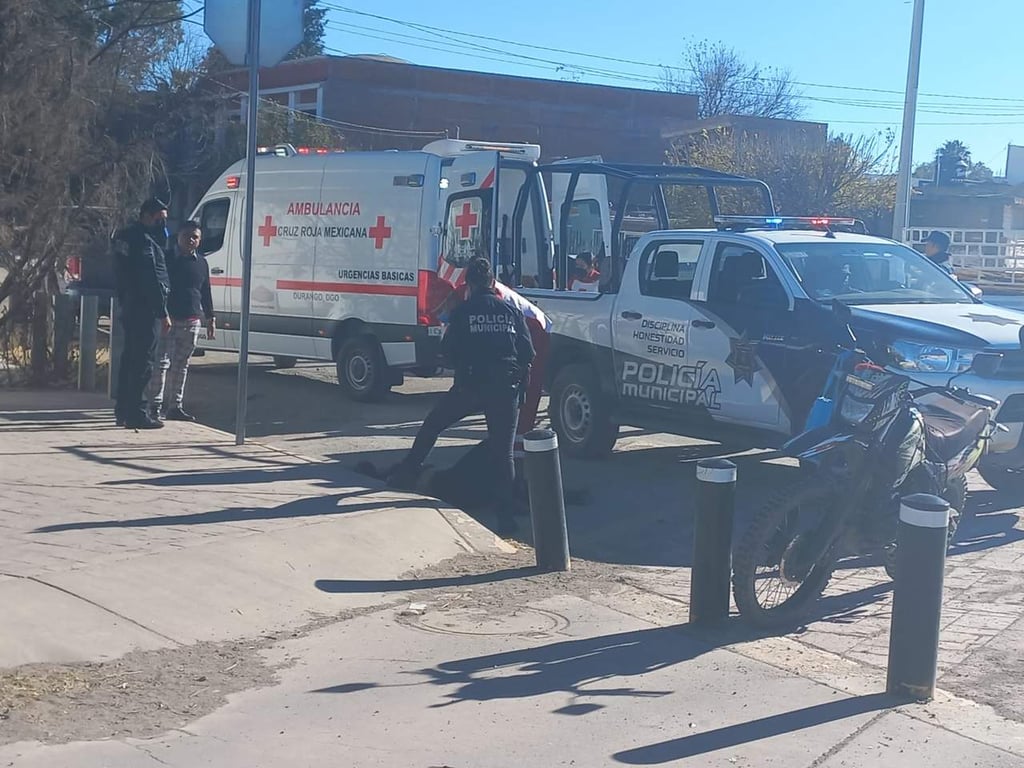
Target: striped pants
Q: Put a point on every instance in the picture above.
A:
(173, 352)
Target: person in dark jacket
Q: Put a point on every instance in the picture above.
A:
(142, 288)
(488, 345)
(190, 306)
(936, 248)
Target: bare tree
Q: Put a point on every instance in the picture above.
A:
(728, 85)
(838, 174)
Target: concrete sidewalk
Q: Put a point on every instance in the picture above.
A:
(155, 544)
(115, 540)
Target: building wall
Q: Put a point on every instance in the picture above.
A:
(565, 118)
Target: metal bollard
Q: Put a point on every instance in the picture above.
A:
(547, 503)
(116, 342)
(87, 332)
(712, 542)
(917, 600)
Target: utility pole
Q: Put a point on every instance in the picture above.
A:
(901, 217)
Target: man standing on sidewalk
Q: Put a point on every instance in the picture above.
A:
(142, 287)
(188, 304)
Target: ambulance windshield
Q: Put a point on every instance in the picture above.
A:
(870, 273)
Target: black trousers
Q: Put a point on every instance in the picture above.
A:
(137, 360)
(500, 408)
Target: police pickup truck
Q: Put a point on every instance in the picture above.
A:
(711, 332)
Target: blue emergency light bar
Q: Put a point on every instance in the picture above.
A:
(784, 222)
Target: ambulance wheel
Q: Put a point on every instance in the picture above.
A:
(362, 372)
(580, 414)
(280, 361)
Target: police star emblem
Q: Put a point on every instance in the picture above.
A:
(743, 360)
(994, 319)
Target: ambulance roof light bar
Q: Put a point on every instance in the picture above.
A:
(453, 147)
(824, 223)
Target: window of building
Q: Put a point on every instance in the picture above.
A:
(307, 99)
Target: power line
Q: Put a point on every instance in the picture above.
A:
(436, 31)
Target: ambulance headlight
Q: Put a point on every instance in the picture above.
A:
(931, 358)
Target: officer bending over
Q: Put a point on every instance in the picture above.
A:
(489, 347)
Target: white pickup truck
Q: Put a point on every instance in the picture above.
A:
(709, 331)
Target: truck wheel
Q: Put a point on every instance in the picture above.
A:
(362, 372)
(283, 362)
(1001, 477)
(580, 414)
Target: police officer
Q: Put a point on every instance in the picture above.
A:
(489, 347)
(142, 288)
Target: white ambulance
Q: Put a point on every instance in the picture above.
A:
(355, 253)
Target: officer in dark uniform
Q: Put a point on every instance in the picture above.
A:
(142, 288)
(488, 345)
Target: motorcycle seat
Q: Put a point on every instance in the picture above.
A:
(952, 427)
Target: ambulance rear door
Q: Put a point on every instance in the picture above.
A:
(469, 223)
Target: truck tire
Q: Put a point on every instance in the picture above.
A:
(1001, 477)
(580, 414)
(362, 372)
(283, 362)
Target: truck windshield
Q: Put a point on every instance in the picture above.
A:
(870, 273)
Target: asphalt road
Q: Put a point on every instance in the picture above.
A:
(634, 508)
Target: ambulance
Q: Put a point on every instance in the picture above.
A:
(355, 253)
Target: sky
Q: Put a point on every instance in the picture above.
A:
(850, 56)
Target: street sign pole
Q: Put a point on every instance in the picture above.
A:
(253, 60)
(901, 214)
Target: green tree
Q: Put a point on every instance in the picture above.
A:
(951, 153)
(726, 84)
(314, 21)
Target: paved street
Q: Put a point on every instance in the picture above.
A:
(173, 599)
(302, 410)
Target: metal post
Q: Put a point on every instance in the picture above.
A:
(712, 542)
(115, 347)
(250, 190)
(901, 215)
(917, 601)
(547, 503)
(87, 330)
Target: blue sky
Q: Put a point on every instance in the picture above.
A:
(968, 59)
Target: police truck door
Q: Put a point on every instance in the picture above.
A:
(469, 194)
(654, 364)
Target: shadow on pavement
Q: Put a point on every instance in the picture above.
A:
(315, 506)
(345, 586)
(755, 730)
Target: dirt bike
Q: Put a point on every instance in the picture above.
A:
(870, 440)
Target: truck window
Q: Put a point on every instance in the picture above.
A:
(741, 275)
(668, 269)
(467, 229)
(213, 218)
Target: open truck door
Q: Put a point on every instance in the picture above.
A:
(580, 215)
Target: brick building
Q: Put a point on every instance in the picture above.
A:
(565, 118)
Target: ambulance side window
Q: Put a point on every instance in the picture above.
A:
(668, 268)
(467, 228)
(741, 275)
(213, 218)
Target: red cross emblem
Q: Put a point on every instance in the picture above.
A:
(466, 221)
(379, 232)
(267, 230)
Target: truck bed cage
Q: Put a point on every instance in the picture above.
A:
(631, 175)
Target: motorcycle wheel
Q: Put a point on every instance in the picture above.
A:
(764, 594)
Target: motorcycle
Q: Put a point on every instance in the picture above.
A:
(871, 439)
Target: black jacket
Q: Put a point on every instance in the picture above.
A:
(140, 272)
(190, 294)
(488, 344)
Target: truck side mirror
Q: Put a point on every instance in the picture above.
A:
(976, 292)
